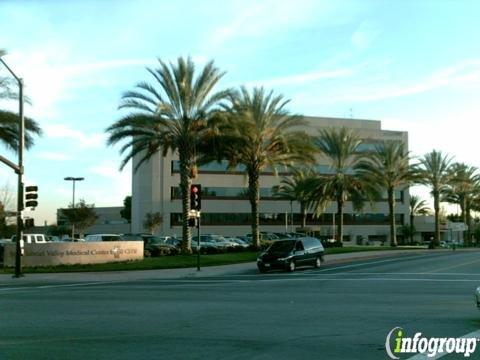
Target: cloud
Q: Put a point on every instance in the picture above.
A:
(299, 79)
(261, 18)
(121, 184)
(90, 141)
(53, 156)
(50, 75)
(465, 73)
(106, 170)
(365, 35)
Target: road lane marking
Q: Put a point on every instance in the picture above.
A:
(61, 285)
(406, 273)
(457, 265)
(406, 258)
(197, 283)
(438, 356)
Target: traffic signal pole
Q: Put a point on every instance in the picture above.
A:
(196, 206)
(21, 133)
(198, 242)
(19, 170)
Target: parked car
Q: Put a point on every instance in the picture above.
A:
(206, 241)
(103, 237)
(295, 235)
(134, 237)
(238, 242)
(68, 239)
(265, 236)
(284, 236)
(156, 246)
(289, 254)
(3, 242)
(222, 241)
(175, 242)
(32, 238)
(245, 239)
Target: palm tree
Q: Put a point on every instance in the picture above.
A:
(434, 173)
(341, 148)
(152, 221)
(388, 166)
(417, 207)
(258, 132)
(170, 115)
(464, 184)
(295, 188)
(9, 130)
(9, 121)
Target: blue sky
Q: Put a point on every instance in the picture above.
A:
(415, 65)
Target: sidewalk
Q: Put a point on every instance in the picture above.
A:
(235, 269)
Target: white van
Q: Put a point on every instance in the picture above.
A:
(103, 237)
(32, 238)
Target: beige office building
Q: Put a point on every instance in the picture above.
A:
(226, 210)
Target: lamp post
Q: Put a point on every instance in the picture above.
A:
(73, 179)
(19, 170)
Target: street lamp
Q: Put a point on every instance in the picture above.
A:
(19, 170)
(73, 179)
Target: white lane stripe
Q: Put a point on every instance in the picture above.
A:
(190, 283)
(475, 334)
(406, 258)
(60, 286)
(406, 273)
(376, 279)
(236, 281)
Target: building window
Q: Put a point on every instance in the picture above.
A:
(370, 146)
(225, 193)
(222, 168)
(230, 219)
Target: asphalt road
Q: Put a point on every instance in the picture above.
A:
(336, 312)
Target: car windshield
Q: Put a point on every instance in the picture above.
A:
(282, 246)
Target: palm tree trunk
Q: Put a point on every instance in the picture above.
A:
(391, 209)
(412, 226)
(436, 205)
(254, 195)
(303, 211)
(468, 221)
(185, 183)
(464, 210)
(340, 220)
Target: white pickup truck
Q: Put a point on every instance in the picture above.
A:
(32, 238)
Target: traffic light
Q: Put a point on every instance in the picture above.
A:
(31, 196)
(195, 197)
(29, 223)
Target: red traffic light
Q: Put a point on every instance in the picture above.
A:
(195, 197)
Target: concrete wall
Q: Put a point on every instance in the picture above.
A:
(75, 253)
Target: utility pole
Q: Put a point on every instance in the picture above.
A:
(19, 170)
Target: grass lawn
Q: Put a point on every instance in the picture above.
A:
(163, 262)
(184, 261)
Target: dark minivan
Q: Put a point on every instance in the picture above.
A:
(288, 254)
